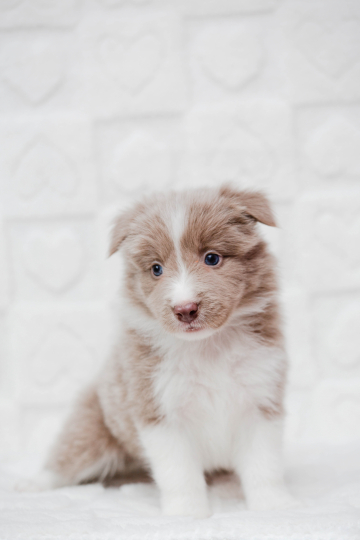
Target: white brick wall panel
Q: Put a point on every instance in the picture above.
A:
(10, 429)
(40, 68)
(234, 57)
(53, 260)
(39, 427)
(48, 166)
(323, 58)
(288, 249)
(335, 333)
(328, 231)
(30, 13)
(7, 372)
(298, 413)
(57, 351)
(328, 142)
(297, 326)
(335, 411)
(133, 64)
(4, 281)
(248, 143)
(228, 54)
(137, 156)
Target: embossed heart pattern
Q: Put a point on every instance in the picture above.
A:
(332, 50)
(133, 61)
(41, 166)
(55, 259)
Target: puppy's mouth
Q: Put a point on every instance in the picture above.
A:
(190, 327)
(194, 331)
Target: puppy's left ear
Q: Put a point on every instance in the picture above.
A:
(258, 207)
(120, 231)
(254, 203)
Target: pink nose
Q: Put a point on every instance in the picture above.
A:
(187, 312)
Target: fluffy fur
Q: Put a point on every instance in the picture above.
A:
(181, 399)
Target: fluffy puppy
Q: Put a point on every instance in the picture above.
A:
(196, 380)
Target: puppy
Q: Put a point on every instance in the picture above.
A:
(196, 380)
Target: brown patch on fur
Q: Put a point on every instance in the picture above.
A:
(136, 477)
(151, 243)
(126, 393)
(260, 282)
(271, 413)
(144, 225)
(144, 362)
(266, 324)
(213, 223)
(254, 203)
(84, 442)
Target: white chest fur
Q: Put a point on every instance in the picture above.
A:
(208, 391)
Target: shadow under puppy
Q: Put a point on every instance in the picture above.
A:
(196, 380)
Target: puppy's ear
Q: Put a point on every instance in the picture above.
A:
(258, 207)
(254, 203)
(120, 230)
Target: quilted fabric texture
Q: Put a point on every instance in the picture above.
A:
(103, 100)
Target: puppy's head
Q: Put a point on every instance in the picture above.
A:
(194, 258)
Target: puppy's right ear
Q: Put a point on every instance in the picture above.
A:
(120, 231)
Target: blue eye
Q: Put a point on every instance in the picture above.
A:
(212, 259)
(157, 269)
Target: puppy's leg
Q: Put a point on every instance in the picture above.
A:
(85, 449)
(176, 470)
(259, 464)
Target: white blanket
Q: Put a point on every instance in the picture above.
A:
(325, 480)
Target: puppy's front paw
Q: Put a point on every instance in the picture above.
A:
(271, 499)
(185, 506)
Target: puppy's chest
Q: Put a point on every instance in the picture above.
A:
(198, 391)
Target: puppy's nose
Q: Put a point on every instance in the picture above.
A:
(186, 312)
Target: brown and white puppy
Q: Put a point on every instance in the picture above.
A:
(196, 380)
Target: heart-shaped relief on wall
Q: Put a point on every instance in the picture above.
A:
(243, 155)
(143, 160)
(70, 358)
(132, 61)
(55, 259)
(341, 235)
(343, 338)
(41, 166)
(230, 56)
(33, 67)
(334, 148)
(333, 50)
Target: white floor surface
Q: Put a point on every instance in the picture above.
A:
(325, 480)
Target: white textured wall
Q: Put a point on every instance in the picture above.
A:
(101, 100)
